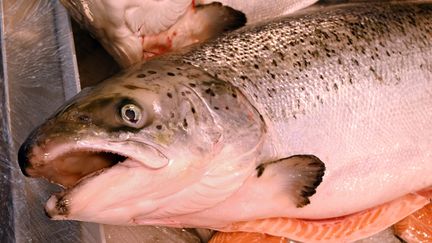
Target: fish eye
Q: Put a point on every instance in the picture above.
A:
(132, 115)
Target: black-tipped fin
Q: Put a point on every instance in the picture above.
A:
(299, 175)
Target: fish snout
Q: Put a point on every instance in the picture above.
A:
(25, 152)
(23, 156)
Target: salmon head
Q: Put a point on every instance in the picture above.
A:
(147, 144)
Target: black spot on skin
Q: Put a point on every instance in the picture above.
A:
(185, 123)
(151, 72)
(193, 110)
(216, 108)
(169, 95)
(170, 74)
(192, 85)
(131, 87)
(256, 66)
(243, 77)
(210, 92)
(141, 75)
(281, 56)
(234, 95)
(226, 108)
(172, 115)
(260, 170)
(378, 77)
(327, 87)
(159, 127)
(315, 54)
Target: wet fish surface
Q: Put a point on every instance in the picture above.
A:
(135, 30)
(315, 116)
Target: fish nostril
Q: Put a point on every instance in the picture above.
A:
(23, 159)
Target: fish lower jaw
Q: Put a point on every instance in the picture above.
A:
(57, 206)
(99, 197)
(73, 169)
(53, 208)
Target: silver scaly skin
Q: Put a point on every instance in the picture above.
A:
(348, 85)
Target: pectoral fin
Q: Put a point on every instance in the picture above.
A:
(299, 175)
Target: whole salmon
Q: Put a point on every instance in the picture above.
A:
(315, 116)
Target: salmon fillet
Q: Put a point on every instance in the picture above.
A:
(417, 227)
(343, 229)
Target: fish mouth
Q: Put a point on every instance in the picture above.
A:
(67, 162)
(72, 165)
(69, 168)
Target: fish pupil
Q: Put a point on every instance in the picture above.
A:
(131, 116)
